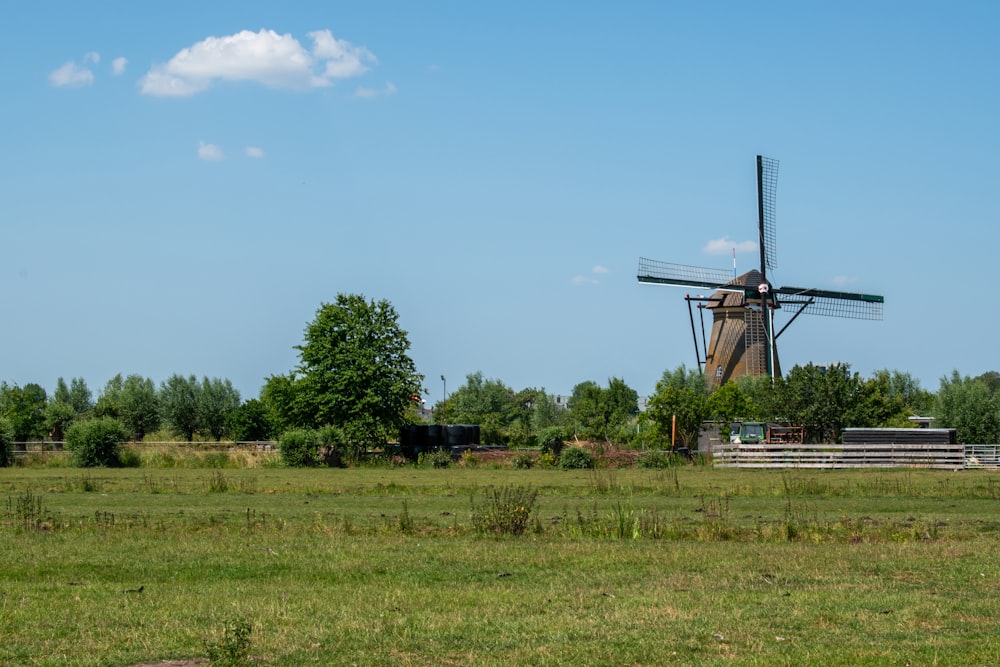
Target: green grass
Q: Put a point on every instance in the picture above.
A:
(383, 566)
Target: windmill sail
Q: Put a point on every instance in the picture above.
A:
(767, 189)
(853, 305)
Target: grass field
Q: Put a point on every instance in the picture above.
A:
(386, 566)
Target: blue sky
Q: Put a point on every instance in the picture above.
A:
(185, 184)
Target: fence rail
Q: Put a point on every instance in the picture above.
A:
(861, 455)
(982, 457)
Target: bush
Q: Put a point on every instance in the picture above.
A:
(552, 439)
(439, 458)
(655, 460)
(333, 446)
(96, 442)
(576, 458)
(6, 443)
(522, 461)
(299, 447)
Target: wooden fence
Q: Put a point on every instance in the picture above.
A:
(855, 455)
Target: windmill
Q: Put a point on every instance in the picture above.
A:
(743, 339)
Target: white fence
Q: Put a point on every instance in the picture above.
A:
(869, 455)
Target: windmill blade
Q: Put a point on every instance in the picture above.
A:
(665, 273)
(767, 188)
(853, 305)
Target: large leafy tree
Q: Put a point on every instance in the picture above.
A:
(487, 402)
(825, 400)
(598, 412)
(355, 370)
(24, 407)
(138, 406)
(250, 421)
(179, 402)
(729, 403)
(216, 400)
(680, 394)
(109, 403)
(969, 406)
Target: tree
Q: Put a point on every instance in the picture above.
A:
(489, 403)
(79, 396)
(58, 417)
(179, 400)
(6, 443)
(825, 400)
(24, 407)
(250, 421)
(546, 412)
(683, 394)
(216, 400)
(729, 403)
(968, 405)
(279, 398)
(109, 403)
(139, 406)
(906, 389)
(355, 370)
(599, 412)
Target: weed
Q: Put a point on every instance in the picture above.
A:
(26, 511)
(604, 481)
(232, 649)
(405, 520)
(89, 484)
(218, 483)
(505, 510)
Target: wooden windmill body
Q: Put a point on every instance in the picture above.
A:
(738, 343)
(743, 339)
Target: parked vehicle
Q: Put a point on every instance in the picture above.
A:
(760, 432)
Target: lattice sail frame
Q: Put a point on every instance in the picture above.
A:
(768, 175)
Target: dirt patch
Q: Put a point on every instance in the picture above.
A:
(198, 662)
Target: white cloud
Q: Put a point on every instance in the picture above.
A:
(264, 57)
(843, 281)
(726, 245)
(592, 278)
(118, 66)
(389, 89)
(209, 152)
(75, 75)
(253, 151)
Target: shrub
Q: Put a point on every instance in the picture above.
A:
(522, 461)
(505, 510)
(299, 447)
(576, 458)
(654, 460)
(96, 442)
(546, 460)
(333, 446)
(439, 458)
(6, 443)
(552, 439)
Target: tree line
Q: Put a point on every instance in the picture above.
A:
(356, 383)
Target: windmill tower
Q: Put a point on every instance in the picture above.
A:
(743, 339)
